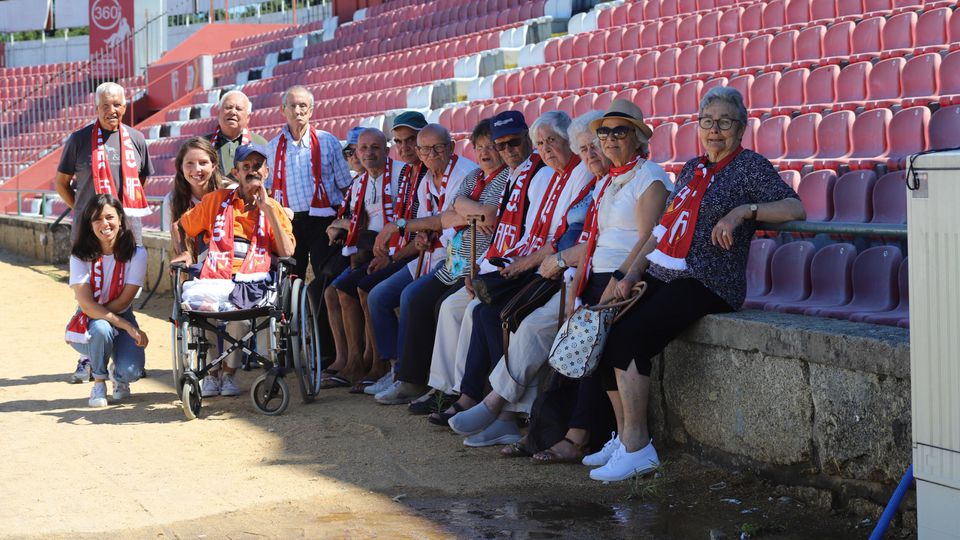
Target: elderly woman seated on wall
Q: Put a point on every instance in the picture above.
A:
(694, 264)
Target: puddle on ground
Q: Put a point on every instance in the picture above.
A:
(629, 519)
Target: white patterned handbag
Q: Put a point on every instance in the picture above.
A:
(579, 343)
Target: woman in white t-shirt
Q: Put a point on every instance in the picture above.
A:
(198, 173)
(106, 270)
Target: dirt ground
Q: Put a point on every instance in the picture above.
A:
(343, 467)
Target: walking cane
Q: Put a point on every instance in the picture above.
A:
(472, 220)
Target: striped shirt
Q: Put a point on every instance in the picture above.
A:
(300, 184)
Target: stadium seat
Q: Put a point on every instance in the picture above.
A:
(763, 93)
(867, 40)
(874, 284)
(853, 85)
(667, 63)
(661, 143)
(770, 138)
(758, 266)
(688, 63)
(751, 20)
(686, 146)
(791, 91)
(899, 313)
(950, 77)
(757, 51)
(750, 133)
(688, 98)
(890, 199)
(816, 194)
(898, 35)
(801, 139)
(774, 14)
(821, 88)
(869, 139)
(920, 79)
(729, 23)
(830, 280)
(944, 128)
(853, 197)
(808, 49)
(834, 140)
(798, 12)
(709, 25)
(933, 30)
(791, 178)
(783, 49)
(907, 135)
(665, 103)
(823, 10)
(837, 42)
(743, 83)
(883, 86)
(789, 275)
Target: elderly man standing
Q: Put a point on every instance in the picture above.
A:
(105, 157)
(232, 121)
(445, 172)
(309, 177)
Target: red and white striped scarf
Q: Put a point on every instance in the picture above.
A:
(676, 229)
(511, 214)
(359, 193)
(409, 183)
(244, 136)
(219, 263)
(548, 207)
(320, 204)
(482, 183)
(444, 180)
(80, 322)
(134, 198)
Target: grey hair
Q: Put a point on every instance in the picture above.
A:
(579, 126)
(111, 88)
(556, 121)
(296, 88)
(725, 94)
(437, 129)
(375, 132)
(235, 93)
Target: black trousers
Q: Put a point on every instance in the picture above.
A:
(313, 245)
(413, 365)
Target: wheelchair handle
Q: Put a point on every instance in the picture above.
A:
(289, 262)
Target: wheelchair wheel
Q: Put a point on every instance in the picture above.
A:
(273, 398)
(190, 398)
(305, 345)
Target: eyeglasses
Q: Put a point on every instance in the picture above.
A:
(723, 124)
(349, 152)
(619, 132)
(485, 148)
(512, 143)
(434, 149)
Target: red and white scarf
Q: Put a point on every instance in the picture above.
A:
(511, 214)
(80, 323)
(591, 226)
(444, 180)
(548, 207)
(359, 193)
(676, 229)
(409, 183)
(320, 204)
(482, 183)
(244, 136)
(134, 198)
(219, 263)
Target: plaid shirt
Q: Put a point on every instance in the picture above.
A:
(333, 169)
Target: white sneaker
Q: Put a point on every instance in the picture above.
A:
(382, 384)
(210, 386)
(228, 385)
(623, 464)
(83, 373)
(98, 395)
(121, 390)
(600, 458)
(388, 390)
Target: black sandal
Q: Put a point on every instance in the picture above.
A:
(440, 418)
(517, 449)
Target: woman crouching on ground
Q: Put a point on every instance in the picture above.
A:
(106, 270)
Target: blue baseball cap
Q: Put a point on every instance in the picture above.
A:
(507, 123)
(354, 135)
(410, 119)
(244, 151)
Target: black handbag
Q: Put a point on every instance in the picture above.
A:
(534, 295)
(496, 290)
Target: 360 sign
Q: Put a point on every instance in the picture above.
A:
(105, 14)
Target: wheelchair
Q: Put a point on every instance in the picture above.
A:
(294, 343)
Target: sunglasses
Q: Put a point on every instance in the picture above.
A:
(349, 152)
(618, 133)
(512, 143)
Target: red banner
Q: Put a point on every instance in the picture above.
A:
(111, 38)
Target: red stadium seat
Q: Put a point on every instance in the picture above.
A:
(791, 91)
(730, 21)
(667, 63)
(838, 42)
(763, 93)
(809, 46)
(945, 128)
(890, 199)
(688, 60)
(631, 37)
(852, 197)
(791, 178)
(950, 78)
(650, 35)
(774, 14)
(750, 133)
(613, 40)
(933, 29)
(627, 69)
(898, 35)
(867, 38)
(823, 10)
(742, 84)
(731, 59)
(853, 85)
(830, 280)
(798, 12)
(574, 76)
(921, 80)
(757, 50)
(644, 97)
(884, 83)
(591, 75)
(816, 194)
(687, 30)
(558, 78)
(580, 46)
(783, 49)
(604, 100)
(610, 70)
(647, 66)
(771, 137)
(899, 314)
(869, 138)
(801, 141)
(709, 25)
(821, 88)
(568, 104)
(710, 58)
(790, 275)
(665, 102)
(688, 98)
(686, 145)
(584, 104)
(907, 135)
(661, 143)
(834, 139)
(668, 32)
(874, 284)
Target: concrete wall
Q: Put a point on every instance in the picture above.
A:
(820, 405)
(50, 51)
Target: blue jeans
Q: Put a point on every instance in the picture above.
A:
(106, 342)
(382, 301)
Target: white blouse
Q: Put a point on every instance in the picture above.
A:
(617, 218)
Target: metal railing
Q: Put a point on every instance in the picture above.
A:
(45, 198)
(886, 230)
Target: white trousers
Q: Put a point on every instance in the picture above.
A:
(450, 347)
(529, 348)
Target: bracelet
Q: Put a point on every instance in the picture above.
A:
(618, 275)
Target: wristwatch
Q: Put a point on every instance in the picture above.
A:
(560, 262)
(401, 226)
(753, 212)
(618, 275)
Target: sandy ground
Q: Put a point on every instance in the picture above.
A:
(343, 467)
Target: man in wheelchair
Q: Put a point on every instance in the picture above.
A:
(244, 228)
